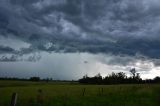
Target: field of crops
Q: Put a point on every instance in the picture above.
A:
(74, 94)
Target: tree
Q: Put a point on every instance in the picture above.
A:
(85, 76)
(156, 80)
(133, 72)
(121, 75)
(138, 76)
(98, 76)
(35, 79)
(97, 79)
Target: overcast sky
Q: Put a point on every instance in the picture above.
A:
(65, 39)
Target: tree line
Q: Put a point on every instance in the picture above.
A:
(118, 78)
(35, 78)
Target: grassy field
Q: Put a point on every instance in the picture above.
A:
(73, 94)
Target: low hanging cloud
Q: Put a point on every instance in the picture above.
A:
(5, 49)
(12, 58)
(118, 27)
(16, 58)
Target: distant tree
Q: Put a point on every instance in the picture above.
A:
(97, 78)
(117, 78)
(47, 80)
(98, 75)
(137, 76)
(85, 79)
(51, 79)
(34, 79)
(133, 72)
(121, 75)
(156, 80)
(85, 76)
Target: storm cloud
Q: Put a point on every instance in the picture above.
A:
(106, 26)
(126, 30)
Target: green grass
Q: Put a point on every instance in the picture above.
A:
(60, 94)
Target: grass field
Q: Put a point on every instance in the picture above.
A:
(73, 94)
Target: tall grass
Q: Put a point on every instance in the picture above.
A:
(65, 94)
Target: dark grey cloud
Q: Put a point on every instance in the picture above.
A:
(4, 49)
(118, 27)
(33, 57)
(12, 58)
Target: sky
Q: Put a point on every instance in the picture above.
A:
(66, 39)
